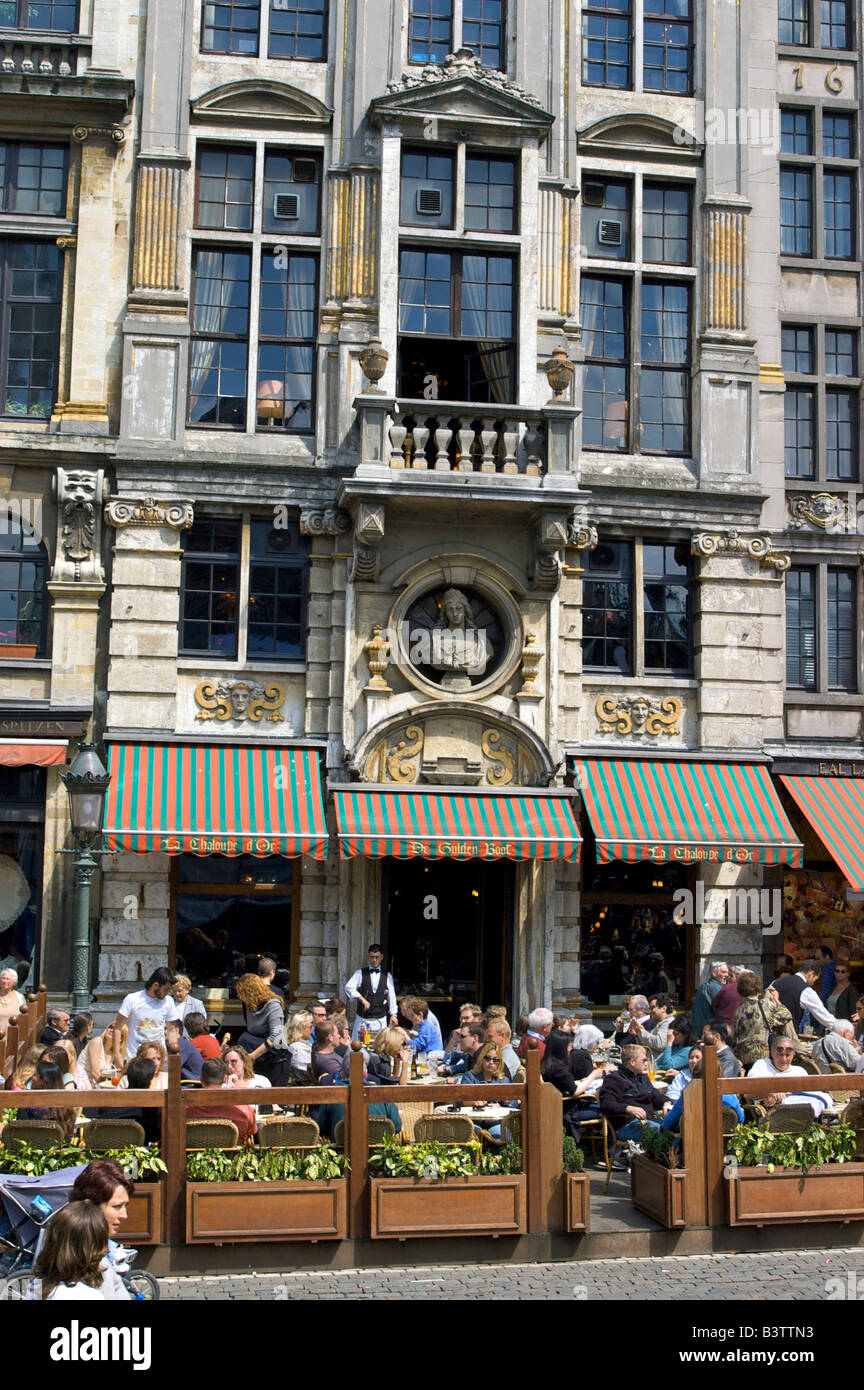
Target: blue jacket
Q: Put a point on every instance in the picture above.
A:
(428, 1037)
(673, 1119)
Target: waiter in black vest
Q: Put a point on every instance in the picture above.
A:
(798, 993)
(372, 988)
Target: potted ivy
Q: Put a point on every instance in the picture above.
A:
(577, 1188)
(265, 1194)
(436, 1189)
(778, 1178)
(658, 1183)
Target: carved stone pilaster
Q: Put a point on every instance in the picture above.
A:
(733, 543)
(177, 516)
(79, 493)
(352, 254)
(324, 521)
(156, 258)
(725, 262)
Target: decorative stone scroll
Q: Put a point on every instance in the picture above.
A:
(115, 133)
(734, 543)
(177, 516)
(324, 521)
(240, 701)
(582, 534)
(502, 769)
(820, 509)
(638, 714)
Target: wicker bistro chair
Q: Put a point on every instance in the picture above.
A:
(288, 1132)
(411, 1111)
(40, 1134)
(596, 1133)
(854, 1115)
(811, 1067)
(789, 1119)
(211, 1134)
(379, 1125)
(446, 1129)
(113, 1134)
(511, 1128)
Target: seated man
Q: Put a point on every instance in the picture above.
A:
(425, 1032)
(472, 1037)
(469, 1013)
(655, 1034)
(779, 1063)
(325, 1058)
(213, 1075)
(627, 1098)
(201, 1037)
(191, 1060)
(498, 1032)
(727, 1062)
(141, 1075)
(637, 1012)
(838, 1046)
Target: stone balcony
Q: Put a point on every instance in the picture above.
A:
(467, 437)
(43, 55)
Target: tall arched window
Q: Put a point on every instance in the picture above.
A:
(23, 592)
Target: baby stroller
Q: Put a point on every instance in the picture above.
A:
(26, 1207)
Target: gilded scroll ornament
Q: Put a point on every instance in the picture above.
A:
(638, 714)
(399, 761)
(821, 509)
(503, 770)
(240, 701)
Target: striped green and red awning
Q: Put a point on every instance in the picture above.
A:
(204, 799)
(469, 825)
(686, 813)
(834, 806)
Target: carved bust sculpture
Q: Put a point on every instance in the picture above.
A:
(458, 645)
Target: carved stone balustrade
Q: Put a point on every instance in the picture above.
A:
(48, 55)
(467, 437)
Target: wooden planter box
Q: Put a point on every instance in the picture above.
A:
(467, 1206)
(659, 1192)
(759, 1198)
(18, 651)
(577, 1195)
(259, 1211)
(143, 1224)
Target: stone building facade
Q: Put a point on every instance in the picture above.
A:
(433, 408)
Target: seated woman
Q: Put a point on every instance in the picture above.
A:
(48, 1077)
(555, 1068)
(69, 1269)
(157, 1054)
(62, 1054)
(389, 1061)
(677, 1050)
(97, 1061)
(486, 1068)
(26, 1068)
(684, 1076)
(240, 1071)
(298, 1031)
(673, 1113)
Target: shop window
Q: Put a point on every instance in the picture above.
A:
(255, 300)
(245, 585)
(821, 402)
(439, 27)
(645, 45)
(228, 912)
(638, 639)
(282, 29)
(47, 16)
(23, 589)
(22, 814)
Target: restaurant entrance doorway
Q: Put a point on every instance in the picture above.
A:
(447, 930)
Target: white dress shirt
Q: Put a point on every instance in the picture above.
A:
(816, 1009)
(352, 989)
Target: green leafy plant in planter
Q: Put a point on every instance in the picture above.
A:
(502, 1163)
(434, 1160)
(137, 1162)
(266, 1165)
(754, 1147)
(573, 1156)
(661, 1146)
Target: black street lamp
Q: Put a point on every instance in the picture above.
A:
(87, 784)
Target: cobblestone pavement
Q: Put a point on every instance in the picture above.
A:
(714, 1278)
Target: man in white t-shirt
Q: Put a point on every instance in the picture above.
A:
(147, 1011)
(779, 1064)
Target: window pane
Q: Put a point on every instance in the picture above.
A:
(606, 43)
(838, 137)
(794, 21)
(210, 585)
(217, 385)
(31, 276)
(490, 194)
(665, 322)
(292, 193)
(424, 292)
(796, 212)
(839, 193)
(427, 189)
(841, 435)
(483, 31)
(607, 612)
(843, 646)
(606, 219)
(226, 181)
(835, 24)
(799, 432)
(666, 224)
(430, 31)
(277, 592)
(52, 16)
(298, 29)
(798, 352)
(841, 352)
(801, 629)
(667, 46)
(230, 26)
(487, 297)
(796, 130)
(664, 412)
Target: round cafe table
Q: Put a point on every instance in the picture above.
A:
(491, 1114)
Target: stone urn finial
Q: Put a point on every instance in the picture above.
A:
(373, 360)
(559, 372)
